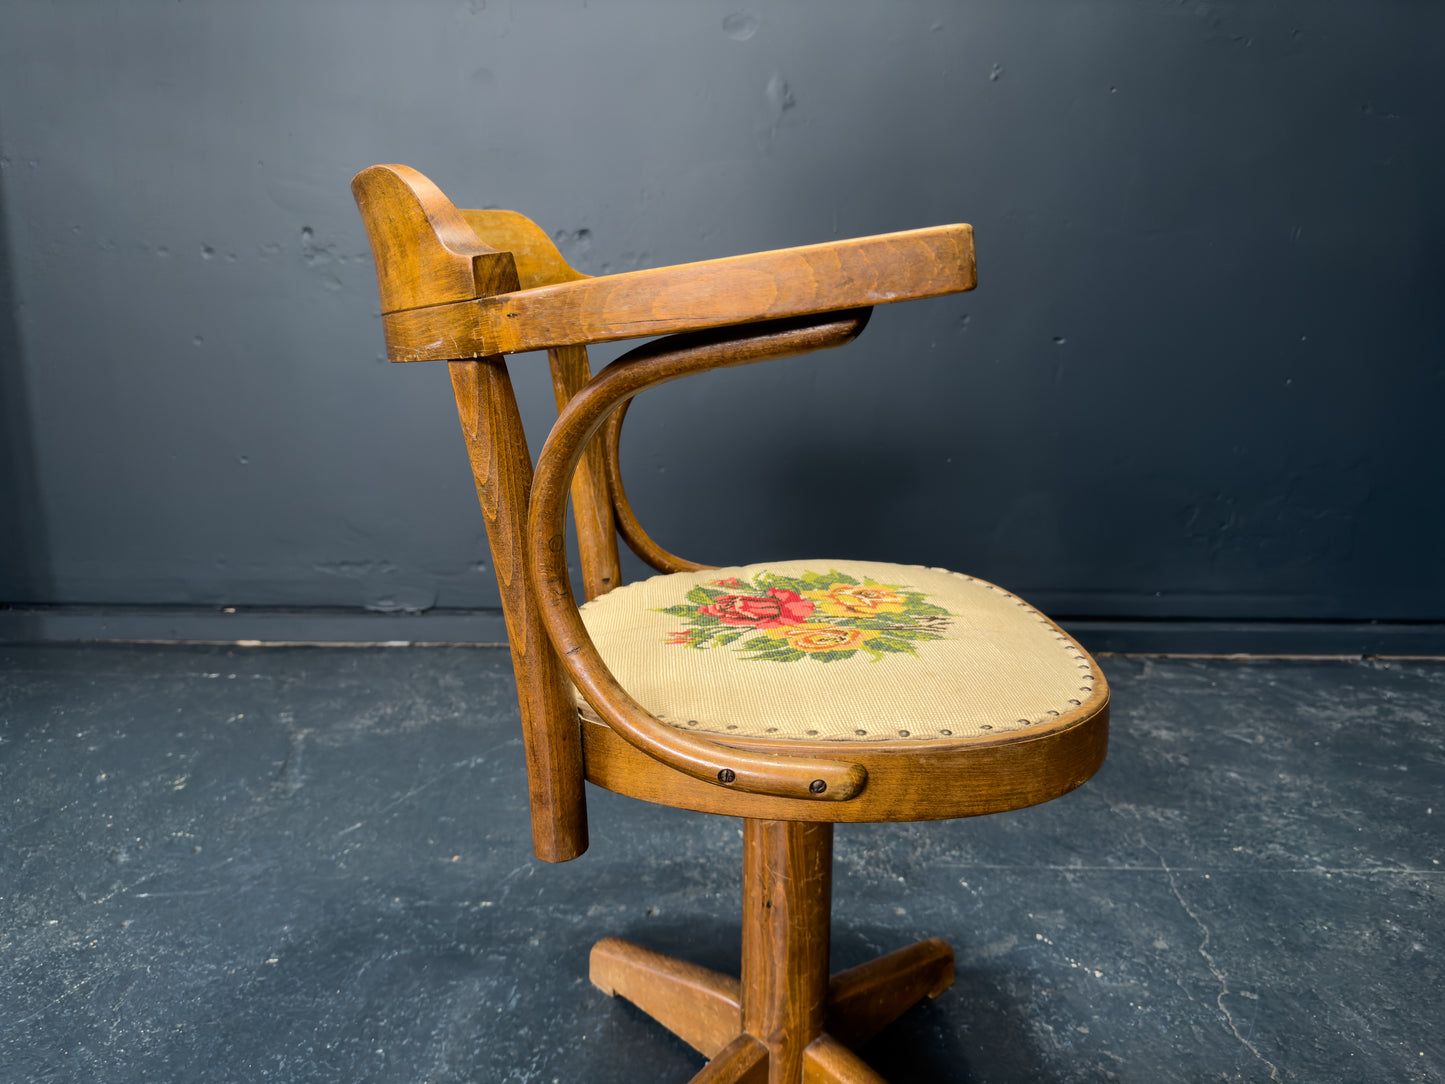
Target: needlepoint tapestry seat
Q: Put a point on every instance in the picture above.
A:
(838, 651)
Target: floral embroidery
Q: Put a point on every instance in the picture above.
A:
(770, 611)
(822, 616)
(844, 600)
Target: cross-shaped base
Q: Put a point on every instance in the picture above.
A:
(785, 1022)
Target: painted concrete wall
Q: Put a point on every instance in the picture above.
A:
(1202, 375)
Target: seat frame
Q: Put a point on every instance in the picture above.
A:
(469, 287)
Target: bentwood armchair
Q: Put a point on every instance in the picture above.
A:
(794, 694)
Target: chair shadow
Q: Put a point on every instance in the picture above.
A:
(978, 1029)
(389, 987)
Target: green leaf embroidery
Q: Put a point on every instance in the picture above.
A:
(800, 628)
(777, 656)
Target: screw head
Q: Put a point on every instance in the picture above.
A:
(727, 775)
(817, 786)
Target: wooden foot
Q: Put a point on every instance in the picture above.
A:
(742, 1061)
(769, 1028)
(827, 1061)
(699, 1006)
(863, 1000)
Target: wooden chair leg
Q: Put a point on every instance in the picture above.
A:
(863, 1000)
(827, 1061)
(787, 893)
(770, 1027)
(699, 1006)
(742, 1061)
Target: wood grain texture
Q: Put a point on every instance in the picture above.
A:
(785, 1021)
(502, 472)
(424, 250)
(744, 1061)
(787, 897)
(701, 1007)
(591, 500)
(863, 1000)
(827, 1061)
(638, 540)
(968, 778)
(537, 259)
(811, 778)
(715, 293)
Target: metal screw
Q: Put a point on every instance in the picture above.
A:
(727, 775)
(817, 786)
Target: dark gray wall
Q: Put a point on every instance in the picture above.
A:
(1202, 375)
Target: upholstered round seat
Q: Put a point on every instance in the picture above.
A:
(839, 651)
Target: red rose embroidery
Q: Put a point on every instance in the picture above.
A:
(772, 611)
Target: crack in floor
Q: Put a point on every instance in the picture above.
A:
(1214, 970)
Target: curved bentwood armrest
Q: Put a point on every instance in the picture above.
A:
(647, 366)
(625, 518)
(787, 282)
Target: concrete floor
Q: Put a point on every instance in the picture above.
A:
(302, 864)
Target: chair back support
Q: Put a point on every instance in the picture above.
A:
(428, 253)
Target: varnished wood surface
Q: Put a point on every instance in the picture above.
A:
(591, 501)
(969, 778)
(787, 897)
(638, 540)
(424, 250)
(745, 1061)
(701, 1007)
(808, 777)
(827, 1061)
(785, 1022)
(537, 259)
(812, 279)
(863, 1000)
(502, 472)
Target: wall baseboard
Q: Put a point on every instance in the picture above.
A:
(61, 624)
(53, 624)
(1362, 639)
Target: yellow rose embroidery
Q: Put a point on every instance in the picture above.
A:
(860, 600)
(825, 638)
(823, 617)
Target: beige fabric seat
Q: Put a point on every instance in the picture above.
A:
(835, 650)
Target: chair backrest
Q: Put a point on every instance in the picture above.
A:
(428, 252)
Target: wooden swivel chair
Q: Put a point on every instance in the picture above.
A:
(793, 694)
